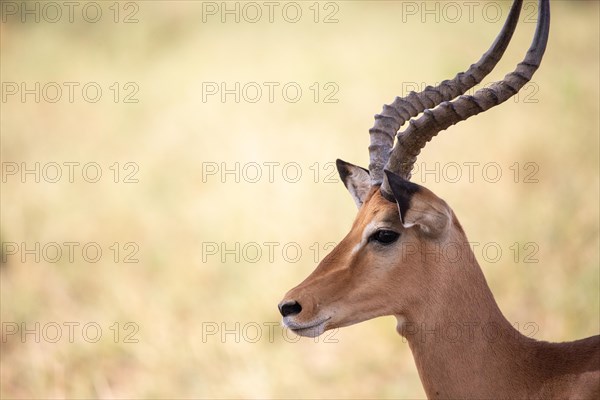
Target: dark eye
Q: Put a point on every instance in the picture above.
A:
(384, 236)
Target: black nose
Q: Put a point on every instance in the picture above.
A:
(290, 308)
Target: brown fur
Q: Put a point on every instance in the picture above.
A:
(430, 280)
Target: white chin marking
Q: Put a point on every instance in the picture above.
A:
(311, 332)
(306, 330)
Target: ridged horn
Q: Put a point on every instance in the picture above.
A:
(394, 115)
(410, 142)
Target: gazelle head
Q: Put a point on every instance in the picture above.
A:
(389, 263)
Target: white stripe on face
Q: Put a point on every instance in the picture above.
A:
(367, 232)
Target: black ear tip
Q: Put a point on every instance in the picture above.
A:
(340, 163)
(343, 169)
(346, 166)
(399, 184)
(392, 177)
(343, 166)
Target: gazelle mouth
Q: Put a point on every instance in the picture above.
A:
(312, 329)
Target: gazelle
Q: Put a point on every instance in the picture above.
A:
(390, 262)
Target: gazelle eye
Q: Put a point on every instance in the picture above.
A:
(384, 236)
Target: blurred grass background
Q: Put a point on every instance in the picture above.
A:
(175, 291)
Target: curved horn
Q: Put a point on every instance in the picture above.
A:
(396, 114)
(419, 132)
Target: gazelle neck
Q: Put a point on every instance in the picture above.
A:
(460, 340)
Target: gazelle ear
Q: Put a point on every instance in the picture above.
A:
(356, 179)
(418, 206)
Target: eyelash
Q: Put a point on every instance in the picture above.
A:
(384, 237)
